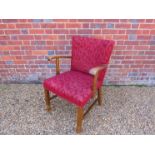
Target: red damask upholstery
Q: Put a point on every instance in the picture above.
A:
(90, 52)
(76, 85)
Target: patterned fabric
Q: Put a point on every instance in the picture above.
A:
(89, 52)
(74, 86)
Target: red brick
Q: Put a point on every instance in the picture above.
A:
(61, 20)
(11, 26)
(142, 47)
(48, 25)
(123, 26)
(147, 26)
(111, 31)
(85, 20)
(111, 20)
(7, 48)
(73, 25)
(49, 31)
(4, 37)
(9, 20)
(5, 58)
(60, 25)
(64, 43)
(85, 31)
(12, 31)
(143, 37)
(97, 31)
(20, 62)
(133, 51)
(149, 20)
(14, 42)
(42, 52)
(24, 25)
(73, 31)
(36, 31)
(26, 37)
(85, 25)
(60, 31)
(120, 37)
(49, 37)
(152, 32)
(3, 26)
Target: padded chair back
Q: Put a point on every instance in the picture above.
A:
(90, 52)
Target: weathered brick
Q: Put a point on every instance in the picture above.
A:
(48, 20)
(51, 52)
(132, 37)
(42, 52)
(26, 43)
(110, 25)
(147, 26)
(37, 20)
(9, 62)
(123, 26)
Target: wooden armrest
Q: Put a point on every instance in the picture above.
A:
(95, 71)
(57, 57)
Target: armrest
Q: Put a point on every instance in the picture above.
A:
(95, 71)
(57, 57)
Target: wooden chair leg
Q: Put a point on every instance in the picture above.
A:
(100, 96)
(80, 113)
(47, 100)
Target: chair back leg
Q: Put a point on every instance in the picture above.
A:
(47, 100)
(100, 96)
(80, 113)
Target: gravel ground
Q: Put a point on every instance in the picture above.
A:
(126, 110)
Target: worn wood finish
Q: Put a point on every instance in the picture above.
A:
(100, 96)
(79, 119)
(90, 107)
(57, 66)
(47, 100)
(57, 61)
(58, 57)
(95, 72)
(80, 112)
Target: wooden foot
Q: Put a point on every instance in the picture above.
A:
(100, 96)
(47, 100)
(79, 119)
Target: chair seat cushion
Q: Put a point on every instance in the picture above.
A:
(74, 86)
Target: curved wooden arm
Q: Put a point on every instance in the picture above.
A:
(57, 57)
(95, 72)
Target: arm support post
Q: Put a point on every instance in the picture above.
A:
(95, 72)
(57, 61)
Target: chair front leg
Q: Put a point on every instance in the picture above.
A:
(80, 113)
(47, 100)
(100, 96)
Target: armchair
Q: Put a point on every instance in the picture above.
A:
(89, 62)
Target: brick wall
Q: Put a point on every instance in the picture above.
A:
(25, 43)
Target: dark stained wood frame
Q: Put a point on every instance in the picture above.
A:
(80, 111)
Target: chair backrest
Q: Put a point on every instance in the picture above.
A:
(90, 52)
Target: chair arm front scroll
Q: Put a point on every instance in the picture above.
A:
(95, 72)
(57, 58)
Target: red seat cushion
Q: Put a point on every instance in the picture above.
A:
(74, 86)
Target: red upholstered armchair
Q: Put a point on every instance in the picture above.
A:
(89, 62)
